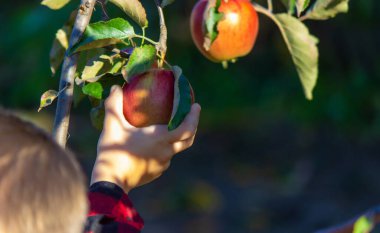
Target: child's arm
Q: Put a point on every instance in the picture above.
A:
(131, 157)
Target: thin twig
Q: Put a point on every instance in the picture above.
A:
(104, 10)
(66, 85)
(145, 38)
(270, 5)
(162, 44)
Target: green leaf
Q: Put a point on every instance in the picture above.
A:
(55, 4)
(141, 60)
(94, 90)
(104, 33)
(61, 44)
(301, 5)
(290, 5)
(164, 3)
(182, 99)
(97, 115)
(213, 17)
(96, 66)
(364, 224)
(324, 9)
(58, 49)
(134, 9)
(303, 49)
(47, 98)
(99, 66)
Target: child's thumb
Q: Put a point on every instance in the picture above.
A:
(114, 103)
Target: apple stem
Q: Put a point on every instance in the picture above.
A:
(270, 5)
(66, 84)
(162, 44)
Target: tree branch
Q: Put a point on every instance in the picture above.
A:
(162, 43)
(66, 85)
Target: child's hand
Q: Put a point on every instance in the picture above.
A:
(131, 157)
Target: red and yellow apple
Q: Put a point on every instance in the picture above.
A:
(148, 98)
(237, 30)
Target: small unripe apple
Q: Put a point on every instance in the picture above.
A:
(237, 30)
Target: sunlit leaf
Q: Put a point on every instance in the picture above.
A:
(164, 3)
(47, 98)
(213, 17)
(141, 60)
(104, 33)
(134, 9)
(182, 99)
(86, 56)
(324, 9)
(94, 90)
(96, 66)
(57, 51)
(99, 66)
(61, 44)
(303, 49)
(364, 224)
(55, 4)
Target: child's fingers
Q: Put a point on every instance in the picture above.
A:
(114, 106)
(188, 127)
(183, 145)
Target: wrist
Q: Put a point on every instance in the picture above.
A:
(105, 171)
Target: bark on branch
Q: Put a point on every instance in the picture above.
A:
(65, 99)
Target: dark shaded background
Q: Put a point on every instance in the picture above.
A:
(265, 159)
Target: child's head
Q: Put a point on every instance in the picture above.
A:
(42, 188)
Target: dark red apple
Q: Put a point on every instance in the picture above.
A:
(237, 30)
(148, 98)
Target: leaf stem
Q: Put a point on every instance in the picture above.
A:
(66, 85)
(143, 33)
(144, 38)
(270, 5)
(269, 14)
(162, 44)
(264, 11)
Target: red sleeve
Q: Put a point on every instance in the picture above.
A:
(111, 211)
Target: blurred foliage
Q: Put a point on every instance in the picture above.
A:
(230, 183)
(262, 85)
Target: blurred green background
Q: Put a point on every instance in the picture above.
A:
(265, 159)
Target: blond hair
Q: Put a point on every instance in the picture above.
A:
(42, 188)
